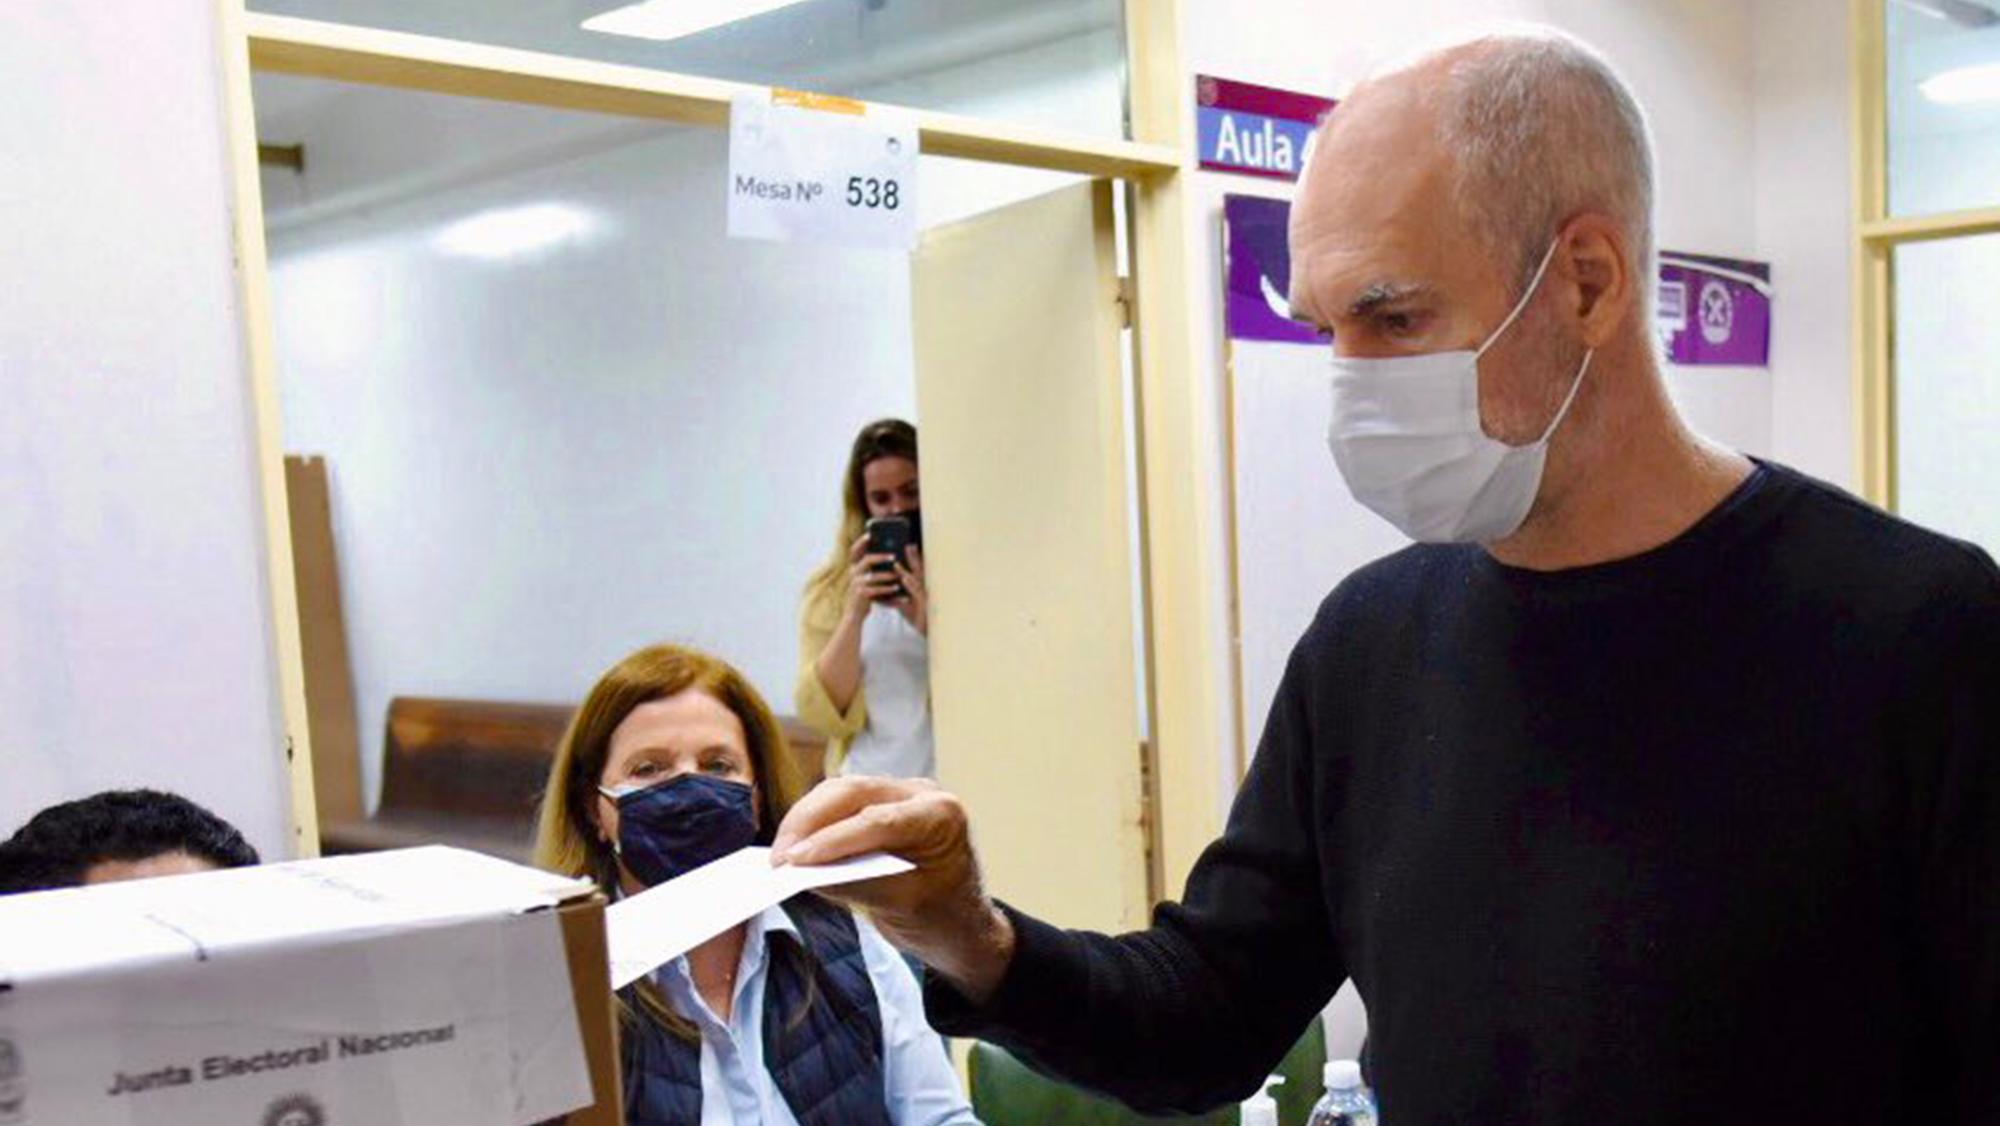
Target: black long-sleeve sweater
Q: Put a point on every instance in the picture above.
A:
(1708, 834)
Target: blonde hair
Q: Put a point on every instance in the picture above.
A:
(888, 437)
(566, 838)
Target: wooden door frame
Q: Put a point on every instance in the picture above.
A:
(1180, 570)
(254, 297)
(1182, 655)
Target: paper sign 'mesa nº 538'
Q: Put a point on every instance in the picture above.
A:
(808, 167)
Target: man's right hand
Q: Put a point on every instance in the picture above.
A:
(939, 912)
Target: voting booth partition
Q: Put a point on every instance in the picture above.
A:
(426, 985)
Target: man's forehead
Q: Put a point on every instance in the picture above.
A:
(1371, 215)
(1371, 177)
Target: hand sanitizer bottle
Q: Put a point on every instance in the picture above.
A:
(1261, 1109)
(1346, 1102)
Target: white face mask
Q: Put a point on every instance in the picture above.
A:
(1407, 439)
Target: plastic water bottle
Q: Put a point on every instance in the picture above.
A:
(1346, 1102)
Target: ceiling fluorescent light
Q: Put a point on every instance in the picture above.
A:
(1978, 83)
(510, 231)
(672, 19)
(1964, 13)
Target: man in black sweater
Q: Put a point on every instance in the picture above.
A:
(1659, 785)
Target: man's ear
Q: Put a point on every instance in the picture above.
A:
(1593, 258)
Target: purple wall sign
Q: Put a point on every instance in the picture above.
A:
(1254, 129)
(1259, 271)
(1715, 311)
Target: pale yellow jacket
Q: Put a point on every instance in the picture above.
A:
(818, 620)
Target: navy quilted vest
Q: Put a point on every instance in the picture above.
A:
(828, 1066)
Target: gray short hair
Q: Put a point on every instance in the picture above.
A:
(1542, 127)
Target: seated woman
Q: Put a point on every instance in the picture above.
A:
(804, 1014)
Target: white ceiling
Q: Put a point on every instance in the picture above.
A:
(827, 45)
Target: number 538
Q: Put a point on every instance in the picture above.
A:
(873, 193)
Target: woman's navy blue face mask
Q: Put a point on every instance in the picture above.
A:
(671, 828)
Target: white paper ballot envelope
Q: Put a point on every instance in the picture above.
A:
(661, 923)
(422, 986)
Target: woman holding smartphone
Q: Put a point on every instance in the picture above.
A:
(864, 646)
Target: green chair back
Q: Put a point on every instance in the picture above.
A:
(1005, 1092)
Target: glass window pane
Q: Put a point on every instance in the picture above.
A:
(1948, 387)
(560, 412)
(1944, 105)
(1052, 63)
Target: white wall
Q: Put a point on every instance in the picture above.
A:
(541, 464)
(135, 640)
(373, 147)
(1803, 187)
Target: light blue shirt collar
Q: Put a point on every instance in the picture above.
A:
(920, 1086)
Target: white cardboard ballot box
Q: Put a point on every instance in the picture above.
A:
(421, 987)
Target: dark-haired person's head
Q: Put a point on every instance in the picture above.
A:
(118, 835)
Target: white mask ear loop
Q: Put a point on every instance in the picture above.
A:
(1575, 386)
(1534, 283)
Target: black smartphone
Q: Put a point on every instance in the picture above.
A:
(892, 536)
